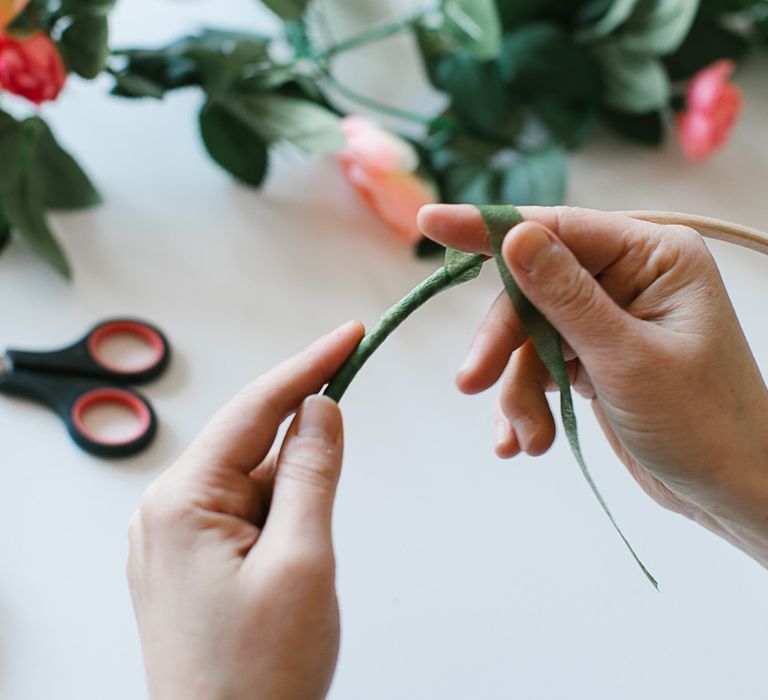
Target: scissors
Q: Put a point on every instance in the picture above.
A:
(75, 379)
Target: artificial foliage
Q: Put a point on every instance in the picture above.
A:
(526, 81)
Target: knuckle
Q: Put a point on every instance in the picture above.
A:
(161, 507)
(311, 461)
(577, 292)
(689, 241)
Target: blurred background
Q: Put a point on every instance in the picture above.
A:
(459, 575)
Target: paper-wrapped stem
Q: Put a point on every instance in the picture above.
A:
(442, 279)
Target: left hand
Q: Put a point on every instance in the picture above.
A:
(231, 562)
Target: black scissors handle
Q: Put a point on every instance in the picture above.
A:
(77, 378)
(71, 398)
(83, 358)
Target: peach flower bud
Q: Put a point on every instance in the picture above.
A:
(713, 106)
(383, 169)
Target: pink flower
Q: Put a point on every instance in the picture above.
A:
(9, 9)
(383, 169)
(714, 104)
(31, 66)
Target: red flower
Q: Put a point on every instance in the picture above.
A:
(714, 104)
(31, 66)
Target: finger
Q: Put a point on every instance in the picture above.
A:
(495, 340)
(596, 238)
(240, 434)
(507, 445)
(579, 380)
(566, 293)
(307, 473)
(524, 403)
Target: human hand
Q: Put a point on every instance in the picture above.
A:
(651, 338)
(231, 563)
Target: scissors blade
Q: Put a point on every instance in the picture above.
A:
(6, 366)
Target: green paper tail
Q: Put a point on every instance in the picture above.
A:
(545, 338)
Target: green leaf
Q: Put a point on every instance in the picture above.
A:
(11, 141)
(618, 13)
(25, 211)
(546, 340)
(221, 58)
(658, 26)
(23, 198)
(571, 124)
(476, 26)
(518, 11)
(84, 43)
(541, 59)
(635, 83)
(153, 73)
(70, 7)
(707, 42)
(5, 229)
(133, 85)
(710, 8)
(538, 178)
(288, 9)
(6, 122)
(456, 264)
(646, 129)
(762, 29)
(306, 125)
(478, 95)
(234, 146)
(213, 58)
(470, 183)
(62, 182)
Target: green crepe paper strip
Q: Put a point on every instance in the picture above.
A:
(545, 338)
(459, 268)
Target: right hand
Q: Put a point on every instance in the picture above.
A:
(651, 338)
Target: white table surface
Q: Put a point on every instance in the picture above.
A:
(460, 576)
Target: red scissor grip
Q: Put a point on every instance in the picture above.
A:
(127, 327)
(122, 397)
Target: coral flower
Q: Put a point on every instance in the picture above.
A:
(383, 169)
(713, 106)
(31, 66)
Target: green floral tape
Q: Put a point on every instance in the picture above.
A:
(545, 338)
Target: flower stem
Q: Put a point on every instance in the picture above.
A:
(371, 35)
(437, 282)
(375, 105)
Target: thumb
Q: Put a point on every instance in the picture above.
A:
(558, 285)
(307, 473)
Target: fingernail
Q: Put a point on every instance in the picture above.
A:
(532, 247)
(525, 428)
(319, 418)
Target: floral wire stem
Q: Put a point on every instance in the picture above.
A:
(437, 282)
(374, 34)
(448, 125)
(370, 103)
